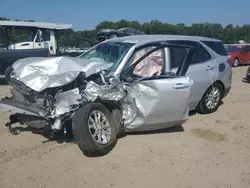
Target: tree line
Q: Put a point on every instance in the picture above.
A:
(228, 34)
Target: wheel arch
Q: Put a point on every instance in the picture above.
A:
(110, 105)
(217, 81)
(237, 59)
(114, 108)
(222, 85)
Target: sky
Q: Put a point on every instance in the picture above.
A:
(83, 14)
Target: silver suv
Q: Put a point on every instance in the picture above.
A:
(135, 83)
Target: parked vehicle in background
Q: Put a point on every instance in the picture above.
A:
(42, 43)
(239, 54)
(42, 35)
(104, 34)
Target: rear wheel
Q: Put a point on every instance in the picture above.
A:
(211, 99)
(236, 62)
(94, 130)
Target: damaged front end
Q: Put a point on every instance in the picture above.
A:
(47, 92)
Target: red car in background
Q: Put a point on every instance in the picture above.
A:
(239, 54)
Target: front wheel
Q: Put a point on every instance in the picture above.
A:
(211, 99)
(94, 130)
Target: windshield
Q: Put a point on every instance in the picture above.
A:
(110, 52)
(233, 48)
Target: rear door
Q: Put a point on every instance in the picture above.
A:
(199, 69)
(161, 100)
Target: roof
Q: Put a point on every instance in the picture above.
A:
(42, 25)
(142, 39)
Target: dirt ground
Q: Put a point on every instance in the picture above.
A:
(207, 151)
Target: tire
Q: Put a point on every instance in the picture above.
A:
(248, 79)
(87, 143)
(236, 62)
(202, 107)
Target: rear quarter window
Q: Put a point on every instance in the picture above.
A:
(217, 46)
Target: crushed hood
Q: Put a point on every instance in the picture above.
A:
(40, 73)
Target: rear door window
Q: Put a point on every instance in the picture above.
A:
(216, 46)
(177, 55)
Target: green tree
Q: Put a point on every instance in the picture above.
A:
(228, 34)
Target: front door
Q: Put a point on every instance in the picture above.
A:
(47, 42)
(161, 100)
(38, 42)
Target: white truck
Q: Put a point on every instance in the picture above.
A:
(43, 35)
(42, 42)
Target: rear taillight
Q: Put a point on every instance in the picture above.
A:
(48, 54)
(229, 61)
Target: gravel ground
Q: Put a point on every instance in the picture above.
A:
(207, 151)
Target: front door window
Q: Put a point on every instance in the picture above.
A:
(149, 66)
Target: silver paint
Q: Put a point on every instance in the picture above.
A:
(41, 73)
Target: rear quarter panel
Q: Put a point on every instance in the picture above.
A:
(226, 76)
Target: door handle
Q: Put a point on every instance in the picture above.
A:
(210, 67)
(181, 86)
